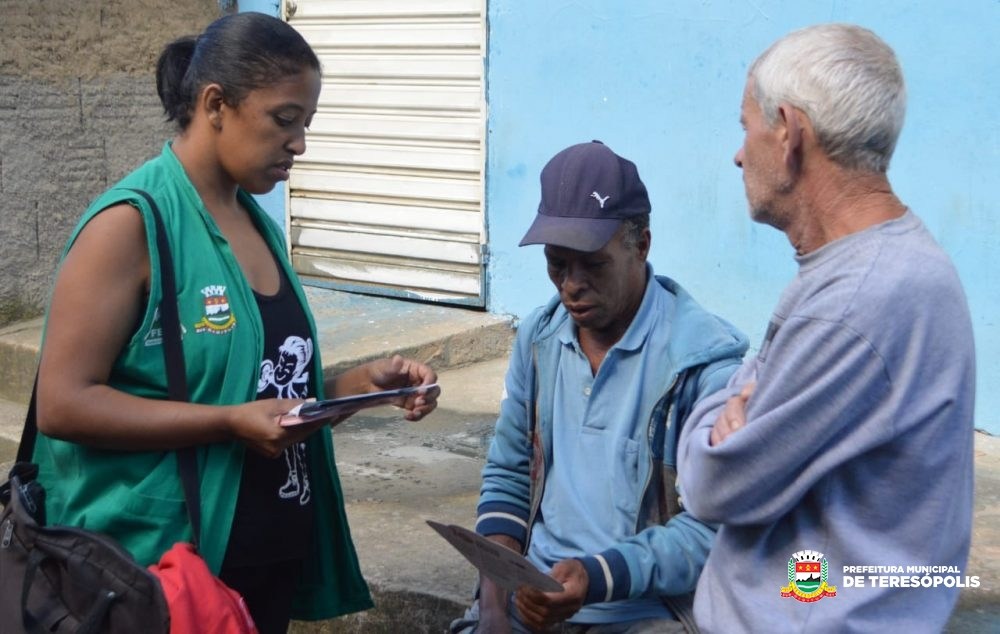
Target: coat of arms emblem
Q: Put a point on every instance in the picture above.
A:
(808, 571)
(218, 318)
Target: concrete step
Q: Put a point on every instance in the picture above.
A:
(12, 420)
(19, 344)
(356, 328)
(351, 329)
(11, 424)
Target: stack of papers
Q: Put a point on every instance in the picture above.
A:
(313, 411)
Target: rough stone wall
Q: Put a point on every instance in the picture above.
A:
(78, 110)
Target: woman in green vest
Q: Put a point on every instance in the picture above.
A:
(273, 525)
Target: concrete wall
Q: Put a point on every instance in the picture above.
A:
(78, 110)
(661, 83)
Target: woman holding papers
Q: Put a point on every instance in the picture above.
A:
(241, 94)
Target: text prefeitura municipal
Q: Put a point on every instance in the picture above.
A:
(900, 570)
(916, 577)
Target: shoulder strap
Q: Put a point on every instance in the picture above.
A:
(173, 351)
(173, 354)
(27, 446)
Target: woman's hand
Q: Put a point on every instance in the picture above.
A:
(396, 372)
(389, 374)
(255, 424)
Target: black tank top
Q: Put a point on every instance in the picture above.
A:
(273, 520)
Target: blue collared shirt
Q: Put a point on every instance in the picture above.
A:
(592, 490)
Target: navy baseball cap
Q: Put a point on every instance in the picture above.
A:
(587, 190)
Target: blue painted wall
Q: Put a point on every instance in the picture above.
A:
(661, 82)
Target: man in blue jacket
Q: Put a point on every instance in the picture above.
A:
(580, 476)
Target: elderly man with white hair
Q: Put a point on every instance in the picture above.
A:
(843, 449)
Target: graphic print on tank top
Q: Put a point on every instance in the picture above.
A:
(287, 376)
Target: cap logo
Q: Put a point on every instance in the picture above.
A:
(600, 200)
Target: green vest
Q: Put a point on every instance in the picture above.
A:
(136, 497)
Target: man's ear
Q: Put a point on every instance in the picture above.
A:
(792, 121)
(211, 101)
(644, 243)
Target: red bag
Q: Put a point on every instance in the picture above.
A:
(198, 600)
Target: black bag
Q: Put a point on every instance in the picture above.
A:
(63, 579)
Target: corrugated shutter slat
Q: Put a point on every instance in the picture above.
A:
(388, 197)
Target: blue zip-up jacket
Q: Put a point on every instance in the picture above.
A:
(669, 547)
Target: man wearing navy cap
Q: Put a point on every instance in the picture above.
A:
(580, 475)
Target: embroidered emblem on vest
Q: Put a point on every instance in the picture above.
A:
(218, 319)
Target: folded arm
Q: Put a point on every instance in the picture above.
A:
(817, 403)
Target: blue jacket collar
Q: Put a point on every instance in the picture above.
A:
(698, 337)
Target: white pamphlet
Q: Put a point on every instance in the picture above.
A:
(506, 568)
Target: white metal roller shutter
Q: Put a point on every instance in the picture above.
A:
(388, 198)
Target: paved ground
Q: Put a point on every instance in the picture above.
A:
(397, 474)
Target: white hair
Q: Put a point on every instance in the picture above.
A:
(846, 80)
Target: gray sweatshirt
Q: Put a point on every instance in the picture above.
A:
(858, 448)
